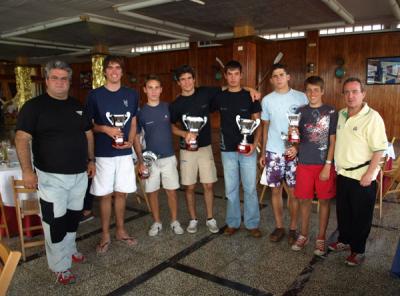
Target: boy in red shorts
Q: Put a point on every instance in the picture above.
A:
(315, 171)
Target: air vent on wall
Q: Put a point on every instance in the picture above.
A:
(207, 44)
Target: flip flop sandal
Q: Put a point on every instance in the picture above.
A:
(101, 249)
(128, 241)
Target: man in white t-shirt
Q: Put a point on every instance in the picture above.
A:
(280, 161)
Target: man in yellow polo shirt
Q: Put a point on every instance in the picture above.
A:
(360, 143)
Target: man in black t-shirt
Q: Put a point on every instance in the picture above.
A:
(237, 166)
(62, 147)
(195, 102)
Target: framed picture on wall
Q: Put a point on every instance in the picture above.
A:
(384, 70)
(85, 79)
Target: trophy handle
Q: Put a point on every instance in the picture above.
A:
(204, 122)
(184, 121)
(128, 115)
(237, 121)
(108, 115)
(256, 123)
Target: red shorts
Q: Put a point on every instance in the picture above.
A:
(308, 182)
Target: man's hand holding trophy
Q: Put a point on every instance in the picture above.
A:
(118, 122)
(145, 164)
(193, 125)
(246, 128)
(292, 138)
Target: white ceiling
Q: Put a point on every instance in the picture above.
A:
(32, 28)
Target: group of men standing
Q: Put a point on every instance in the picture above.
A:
(64, 147)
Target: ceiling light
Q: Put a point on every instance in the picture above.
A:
(198, 2)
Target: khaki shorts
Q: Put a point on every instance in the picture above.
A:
(201, 161)
(163, 170)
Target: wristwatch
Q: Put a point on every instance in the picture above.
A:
(328, 161)
(91, 159)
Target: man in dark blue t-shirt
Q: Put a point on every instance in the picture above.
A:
(113, 148)
(154, 119)
(237, 166)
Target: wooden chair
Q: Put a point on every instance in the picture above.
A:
(9, 261)
(24, 208)
(3, 221)
(387, 180)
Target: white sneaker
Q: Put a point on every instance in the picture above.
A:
(177, 228)
(192, 227)
(212, 225)
(155, 229)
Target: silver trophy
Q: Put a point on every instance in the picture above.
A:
(193, 124)
(246, 128)
(294, 121)
(287, 144)
(148, 160)
(119, 121)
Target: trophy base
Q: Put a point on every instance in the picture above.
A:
(118, 142)
(287, 158)
(293, 141)
(243, 148)
(192, 146)
(144, 176)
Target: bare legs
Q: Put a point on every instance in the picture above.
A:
(172, 204)
(105, 214)
(277, 207)
(305, 208)
(208, 198)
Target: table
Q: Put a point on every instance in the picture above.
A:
(7, 196)
(5, 183)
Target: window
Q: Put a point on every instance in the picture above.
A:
(352, 29)
(286, 35)
(160, 47)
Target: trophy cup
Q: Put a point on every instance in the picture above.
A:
(287, 144)
(193, 125)
(294, 120)
(148, 159)
(119, 121)
(246, 128)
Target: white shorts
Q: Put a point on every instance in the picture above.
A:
(164, 170)
(114, 174)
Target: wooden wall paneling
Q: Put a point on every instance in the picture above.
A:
(208, 66)
(294, 56)
(245, 52)
(76, 90)
(161, 64)
(312, 52)
(355, 49)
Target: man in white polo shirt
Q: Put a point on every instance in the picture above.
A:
(360, 143)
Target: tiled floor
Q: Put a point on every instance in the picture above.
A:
(214, 264)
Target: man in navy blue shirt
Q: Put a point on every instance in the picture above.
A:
(154, 119)
(114, 163)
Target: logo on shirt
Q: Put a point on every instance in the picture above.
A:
(126, 103)
(355, 128)
(204, 106)
(79, 112)
(293, 108)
